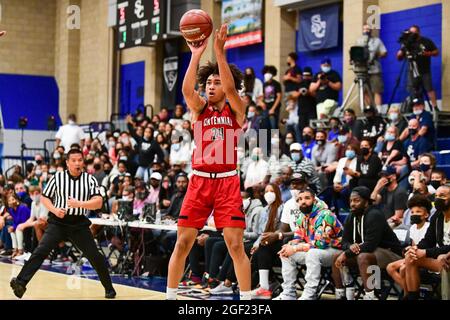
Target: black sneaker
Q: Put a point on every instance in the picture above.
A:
(18, 288)
(110, 294)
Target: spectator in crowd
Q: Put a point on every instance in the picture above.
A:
(6, 221)
(432, 252)
(20, 214)
(367, 241)
(367, 167)
(423, 65)
(391, 152)
(288, 140)
(308, 142)
(272, 95)
(425, 118)
(276, 160)
(427, 163)
(69, 134)
(164, 114)
(352, 122)
(373, 126)
(253, 119)
(390, 196)
(420, 208)
(396, 119)
(344, 139)
(416, 144)
(301, 164)
(291, 121)
(341, 181)
(323, 156)
(155, 188)
(268, 243)
(180, 150)
(317, 238)
(22, 194)
(293, 75)
(333, 132)
(306, 102)
(377, 50)
(285, 182)
(177, 119)
(257, 171)
(181, 182)
(252, 86)
(326, 87)
(438, 178)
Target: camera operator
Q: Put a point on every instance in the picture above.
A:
(305, 100)
(419, 49)
(326, 86)
(377, 50)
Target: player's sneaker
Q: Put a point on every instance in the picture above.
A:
(261, 294)
(221, 289)
(190, 282)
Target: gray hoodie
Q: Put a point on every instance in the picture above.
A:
(252, 220)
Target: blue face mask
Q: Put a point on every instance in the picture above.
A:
(350, 154)
(21, 194)
(295, 156)
(326, 69)
(176, 146)
(389, 137)
(342, 139)
(250, 114)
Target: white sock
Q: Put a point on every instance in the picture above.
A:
(245, 295)
(19, 236)
(264, 279)
(13, 240)
(340, 293)
(171, 293)
(350, 293)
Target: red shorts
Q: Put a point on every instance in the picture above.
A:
(205, 195)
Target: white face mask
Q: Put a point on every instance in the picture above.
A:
(126, 198)
(269, 197)
(71, 122)
(267, 77)
(326, 69)
(246, 203)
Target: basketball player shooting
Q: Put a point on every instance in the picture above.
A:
(215, 184)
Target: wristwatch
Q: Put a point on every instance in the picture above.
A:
(280, 235)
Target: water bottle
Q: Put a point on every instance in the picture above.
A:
(158, 217)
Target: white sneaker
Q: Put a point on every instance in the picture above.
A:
(282, 297)
(221, 289)
(370, 296)
(21, 257)
(46, 262)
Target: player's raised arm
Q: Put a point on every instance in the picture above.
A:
(193, 99)
(226, 76)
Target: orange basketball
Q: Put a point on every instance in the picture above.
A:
(196, 26)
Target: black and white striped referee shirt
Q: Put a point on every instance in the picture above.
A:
(63, 186)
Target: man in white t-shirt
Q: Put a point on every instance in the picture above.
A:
(69, 134)
(257, 171)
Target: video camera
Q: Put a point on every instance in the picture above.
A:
(125, 210)
(360, 59)
(410, 42)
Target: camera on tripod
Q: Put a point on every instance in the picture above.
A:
(410, 42)
(359, 57)
(303, 91)
(23, 122)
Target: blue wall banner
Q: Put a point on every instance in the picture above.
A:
(318, 28)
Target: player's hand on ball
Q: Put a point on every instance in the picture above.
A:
(220, 37)
(60, 213)
(197, 48)
(73, 203)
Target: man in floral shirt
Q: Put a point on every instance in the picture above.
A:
(317, 238)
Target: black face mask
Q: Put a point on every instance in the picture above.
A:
(306, 210)
(320, 142)
(39, 162)
(365, 151)
(416, 219)
(412, 132)
(441, 204)
(97, 167)
(307, 137)
(435, 184)
(424, 167)
(107, 171)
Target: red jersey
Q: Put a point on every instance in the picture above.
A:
(216, 135)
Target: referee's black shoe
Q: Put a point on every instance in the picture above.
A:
(110, 294)
(18, 288)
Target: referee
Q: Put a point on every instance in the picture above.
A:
(68, 196)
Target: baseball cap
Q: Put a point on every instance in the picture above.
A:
(417, 100)
(307, 71)
(156, 176)
(369, 109)
(362, 191)
(387, 171)
(299, 176)
(295, 147)
(326, 60)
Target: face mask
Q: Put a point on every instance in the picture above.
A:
(274, 141)
(250, 114)
(320, 142)
(416, 219)
(176, 146)
(56, 155)
(389, 137)
(342, 139)
(417, 112)
(289, 141)
(39, 162)
(307, 137)
(255, 157)
(441, 204)
(246, 203)
(326, 69)
(350, 154)
(267, 77)
(365, 151)
(107, 171)
(412, 132)
(36, 198)
(126, 198)
(125, 140)
(116, 134)
(97, 166)
(295, 156)
(123, 158)
(424, 167)
(306, 210)
(71, 122)
(38, 172)
(393, 116)
(52, 171)
(269, 197)
(21, 194)
(112, 144)
(435, 184)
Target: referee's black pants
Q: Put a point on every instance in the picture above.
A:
(81, 237)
